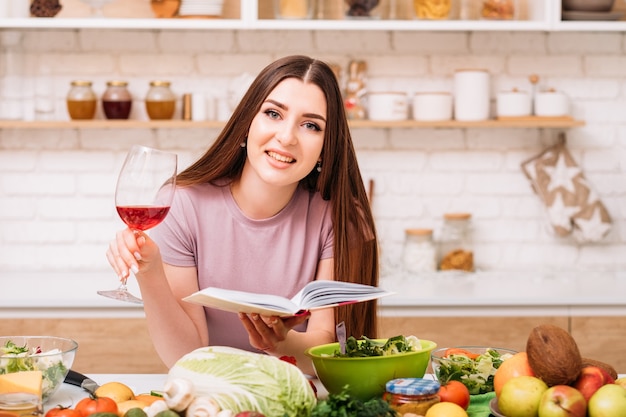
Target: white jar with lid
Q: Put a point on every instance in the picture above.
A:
(471, 95)
(455, 244)
(419, 254)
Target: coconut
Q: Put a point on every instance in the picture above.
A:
(553, 355)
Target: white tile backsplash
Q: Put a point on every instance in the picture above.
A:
(56, 186)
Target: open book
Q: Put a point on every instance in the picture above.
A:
(316, 294)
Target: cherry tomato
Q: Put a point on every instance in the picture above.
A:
(91, 404)
(60, 411)
(455, 392)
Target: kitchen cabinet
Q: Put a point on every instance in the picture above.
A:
(536, 15)
(598, 337)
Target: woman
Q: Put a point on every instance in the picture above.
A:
(277, 201)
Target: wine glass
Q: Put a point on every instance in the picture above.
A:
(143, 196)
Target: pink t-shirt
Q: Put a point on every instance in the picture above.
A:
(205, 228)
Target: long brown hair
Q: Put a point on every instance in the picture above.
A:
(340, 181)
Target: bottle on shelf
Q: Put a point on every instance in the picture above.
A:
(116, 100)
(160, 101)
(419, 252)
(81, 101)
(455, 243)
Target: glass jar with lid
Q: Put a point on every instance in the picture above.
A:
(419, 252)
(81, 100)
(160, 101)
(411, 395)
(498, 9)
(455, 243)
(116, 100)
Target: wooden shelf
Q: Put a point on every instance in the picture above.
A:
(522, 122)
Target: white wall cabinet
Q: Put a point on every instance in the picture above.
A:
(537, 15)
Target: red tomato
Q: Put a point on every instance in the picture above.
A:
(455, 392)
(460, 351)
(61, 411)
(91, 404)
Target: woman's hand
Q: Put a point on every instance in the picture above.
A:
(266, 332)
(132, 250)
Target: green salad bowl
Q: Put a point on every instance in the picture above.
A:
(366, 376)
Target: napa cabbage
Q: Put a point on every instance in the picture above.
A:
(239, 380)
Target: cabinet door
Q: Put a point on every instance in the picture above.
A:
(602, 339)
(105, 346)
(504, 332)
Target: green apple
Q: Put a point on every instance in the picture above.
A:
(608, 401)
(520, 396)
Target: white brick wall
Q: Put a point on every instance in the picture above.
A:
(56, 187)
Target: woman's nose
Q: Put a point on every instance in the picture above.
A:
(286, 134)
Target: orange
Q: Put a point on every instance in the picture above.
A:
(147, 399)
(124, 406)
(516, 365)
(446, 409)
(117, 391)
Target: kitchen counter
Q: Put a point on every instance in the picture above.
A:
(440, 294)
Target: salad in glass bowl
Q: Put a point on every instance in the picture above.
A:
(474, 366)
(51, 355)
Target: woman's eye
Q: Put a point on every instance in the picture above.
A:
(272, 114)
(312, 126)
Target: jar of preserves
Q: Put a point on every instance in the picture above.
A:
(456, 246)
(20, 404)
(498, 9)
(419, 254)
(160, 101)
(432, 9)
(116, 100)
(81, 101)
(411, 395)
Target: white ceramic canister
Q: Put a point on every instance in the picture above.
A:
(434, 106)
(514, 103)
(551, 103)
(471, 94)
(387, 106)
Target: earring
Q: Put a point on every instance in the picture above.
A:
(319, 166)
(243, 144)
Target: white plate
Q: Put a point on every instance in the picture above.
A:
(493, 407)
(571, 15)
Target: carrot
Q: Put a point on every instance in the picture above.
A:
(460, 351)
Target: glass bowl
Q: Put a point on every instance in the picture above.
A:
(52, 355)
(474, 366)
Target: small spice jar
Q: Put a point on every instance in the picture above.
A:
(116, 100)
(498, 9)
(293, 9)
(160, 101)
(456, 246)
(411, 395)
(419, 252)
(81, 101)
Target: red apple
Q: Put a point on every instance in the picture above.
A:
(591, 379)
(608, 401)
(562, 401)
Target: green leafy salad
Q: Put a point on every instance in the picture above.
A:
(476, 374)
(15, 358)
(371, 347)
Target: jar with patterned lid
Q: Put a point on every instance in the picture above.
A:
(160, 101)
(411, 395)
(81, 101)
(455, 243)
(419, 252)
(116, 100)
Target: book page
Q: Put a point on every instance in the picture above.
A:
(324, 293)
(243, 302)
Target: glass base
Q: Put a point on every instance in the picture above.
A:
(121, 295)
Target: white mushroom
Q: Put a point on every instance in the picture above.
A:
(178, 393)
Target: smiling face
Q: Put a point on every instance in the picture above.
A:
(286, 136)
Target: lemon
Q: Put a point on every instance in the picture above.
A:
(117, 391)
(446, 409)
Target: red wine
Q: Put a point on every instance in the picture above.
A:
(142, 217)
